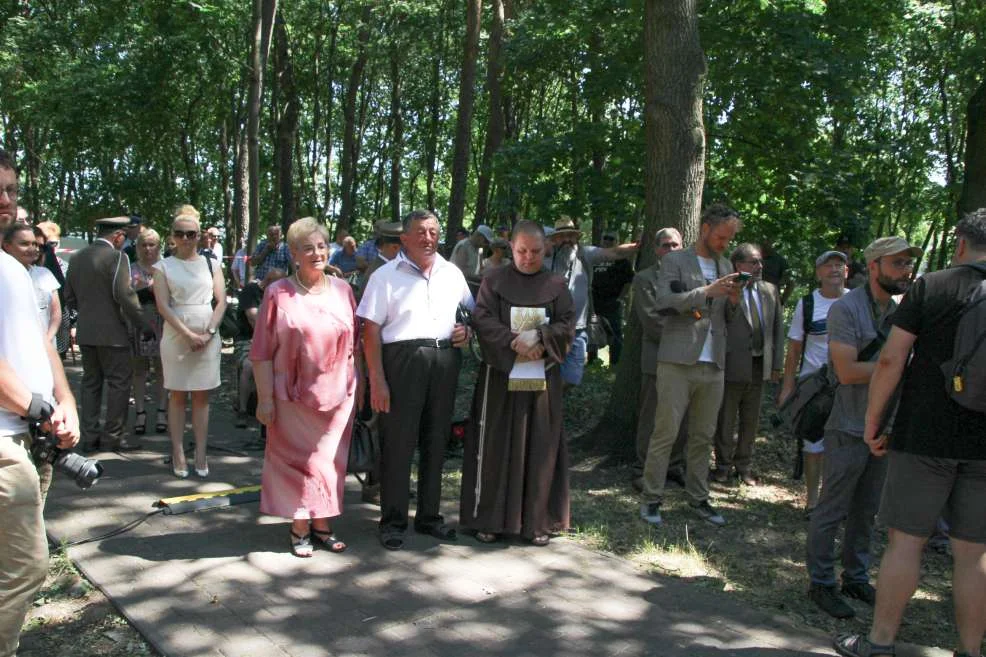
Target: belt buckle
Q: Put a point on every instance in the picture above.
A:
(437, 344)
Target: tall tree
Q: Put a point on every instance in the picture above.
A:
(674, 75)
(974, 184)
(463, 125)
(287, 123)
(350, 143)
(263, 24)
(495, 120)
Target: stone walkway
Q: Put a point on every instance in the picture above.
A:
(221, 583)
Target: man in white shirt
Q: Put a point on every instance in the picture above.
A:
(410, 334)
(697, 293)
(32, 386)
(808, 350)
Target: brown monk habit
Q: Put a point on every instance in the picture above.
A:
(515, 459)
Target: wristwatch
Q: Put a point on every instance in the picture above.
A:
(211, 331)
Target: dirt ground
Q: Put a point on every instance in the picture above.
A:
(758, 558)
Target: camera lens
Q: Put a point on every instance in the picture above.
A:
(85, 472)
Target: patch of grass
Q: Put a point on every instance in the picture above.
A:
(758, 558)
(71, 618)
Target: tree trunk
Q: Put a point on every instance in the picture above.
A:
(241, 191)
(974, 185)
(231, 243)
(350, 151)
(263, 18)
(494, 126)
(287, 126)
(463, 128)
(674, 73)
(397, 129)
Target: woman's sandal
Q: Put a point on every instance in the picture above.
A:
(328, 540)
(486, 537)
(140, 423)
(857, 645)
(162, 420)
(301, 546)
(541, 540)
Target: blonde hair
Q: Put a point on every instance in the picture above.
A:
(190, 218)
(187, 209)
(51, 230)
(304, 227)
(148, 234)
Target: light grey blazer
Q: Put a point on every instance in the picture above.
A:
(683, 335)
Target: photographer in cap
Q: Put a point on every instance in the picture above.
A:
(27, 392)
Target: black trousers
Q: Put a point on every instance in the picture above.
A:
(422, 384)
(112, 366)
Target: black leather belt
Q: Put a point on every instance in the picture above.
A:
(423, 342)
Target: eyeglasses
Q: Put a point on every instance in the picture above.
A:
(185, 234)
(754, 261)
(10, 191)
(668, 245)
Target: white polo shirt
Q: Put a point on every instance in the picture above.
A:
(22, 339)
(411, 306)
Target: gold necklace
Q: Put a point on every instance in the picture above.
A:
(309, 290)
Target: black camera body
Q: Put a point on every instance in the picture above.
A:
(44, 449)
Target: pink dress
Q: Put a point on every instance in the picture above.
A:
(310, 339)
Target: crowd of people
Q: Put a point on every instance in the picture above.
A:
(331, 327)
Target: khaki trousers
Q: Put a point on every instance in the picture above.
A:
(645, 428)
(695, 390)
(24, 548)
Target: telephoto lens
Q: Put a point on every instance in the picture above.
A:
(44, 449)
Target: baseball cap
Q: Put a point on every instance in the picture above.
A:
(888, 246)
(828, 255)
(485, 231)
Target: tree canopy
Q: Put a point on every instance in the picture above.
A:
(821, 118)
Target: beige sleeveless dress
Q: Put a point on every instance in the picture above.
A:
(190, 288)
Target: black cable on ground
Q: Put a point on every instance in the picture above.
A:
(113, 532)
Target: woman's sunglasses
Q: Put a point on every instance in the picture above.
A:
(185, 234)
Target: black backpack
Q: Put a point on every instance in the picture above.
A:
(965, 372)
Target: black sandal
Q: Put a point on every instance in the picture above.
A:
(857, 645)
(328, 540)
(161, 427)
(301, 546)
(140, 423)
(392, 539)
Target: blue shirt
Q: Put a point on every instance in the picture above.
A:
(279, 258)
(347, 263)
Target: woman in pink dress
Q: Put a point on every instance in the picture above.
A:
(304, 367)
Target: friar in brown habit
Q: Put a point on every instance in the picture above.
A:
(515, 469)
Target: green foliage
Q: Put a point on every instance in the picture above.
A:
(822, 117)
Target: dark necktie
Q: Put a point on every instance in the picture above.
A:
(757, 343)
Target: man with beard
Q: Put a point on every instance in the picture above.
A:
(697, 292)
(575, 263)
(852, 479)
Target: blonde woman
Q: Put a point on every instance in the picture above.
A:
(146, 349)
(304, 365)
(185, 287)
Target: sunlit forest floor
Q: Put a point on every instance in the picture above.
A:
(757, 559)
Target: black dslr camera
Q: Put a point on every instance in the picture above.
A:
(44, 447)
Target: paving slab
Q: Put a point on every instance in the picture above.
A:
(222, 583)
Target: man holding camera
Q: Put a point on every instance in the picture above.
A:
(28, 394)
